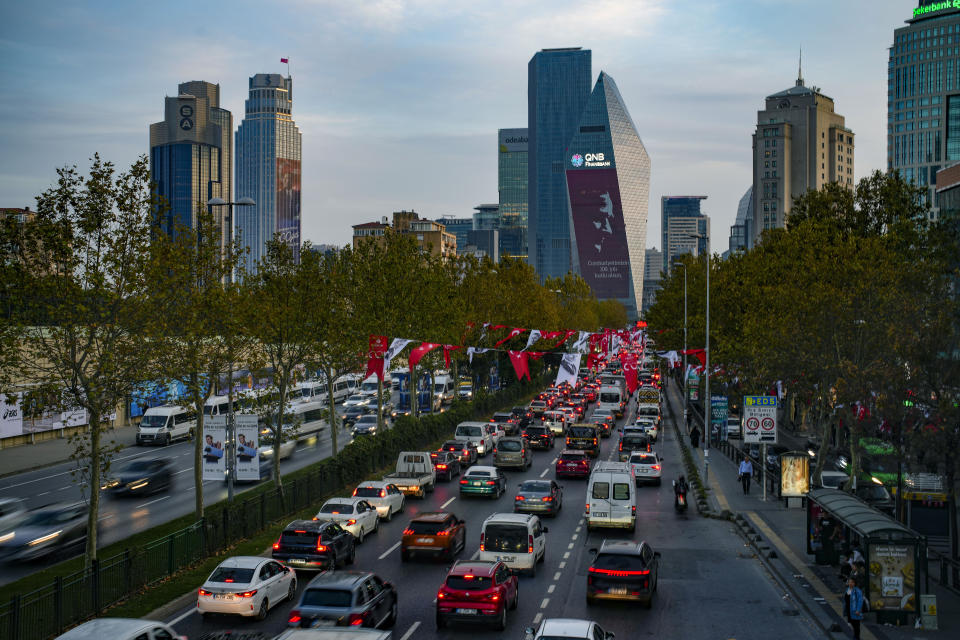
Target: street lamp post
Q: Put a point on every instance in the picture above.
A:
(686, 392)
(231, 424)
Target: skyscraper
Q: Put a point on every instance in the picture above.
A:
(608, 189)
(680, 217)
(800, 144)
(558, 85)
(190, 154)
(740, 237)
(512, 153)
(923, 95)
(652, 281)
(268, 168)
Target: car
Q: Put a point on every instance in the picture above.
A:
(647, 466)
(537, 407)
(623, 570)
(313, 545)
(346, 599)
(356, 515)
(12, 512)
(482, 434)
(649, 410)
(466, 450)
(366, 425)
(523, 416)
(584, 437)
(733, 426)
(46, 531)
(539, 437)
(604, 423)
(632, 440)
(434, 533)
(649, 426)
(287, 447)
(384, 496)
(517, 539)
(140, 477)
(446, 464)
(355, 400)
(556, 421)
(477, 591)
(774, 451)
(573, 464)
(876, 495)
(512, 452)
(568, 629)
(483, 481)
(591, 392)
(246, 586)
(351, 414)
(506, 420)
(832, 479)
(121, 629)
(538, 496)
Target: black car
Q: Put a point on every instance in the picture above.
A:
(140, 477)
(540, 437)
(346, 599)
(445, 464)
(506, 420)
(353, 412)
(47, 531)
(523, 416)
(312, 545)
(623, 570)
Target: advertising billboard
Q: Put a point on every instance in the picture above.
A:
(511, 140)
(248, 460)
(597, 218)
(288, 202)
(214, 443)
(794, 475)
(11, 416)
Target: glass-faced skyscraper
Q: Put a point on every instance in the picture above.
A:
(268, 168)
(558, 85)
(512, 153)
(680, 217)
(608, 185)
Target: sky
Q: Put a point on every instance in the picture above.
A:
(399, 101)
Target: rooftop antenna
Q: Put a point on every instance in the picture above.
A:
(800, 69)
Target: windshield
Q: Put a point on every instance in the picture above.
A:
(43, 518)
(369, 386)
(337, 507)
(505, 537)
(469, 583)
(832, 482)
(367, 420)
(510, 445)
(298, 537)
(471, 432)
(327, 598)
(535, 486)
(617, 562)
(581, 432)
(231, 574)
(153, 421)
(648, 411)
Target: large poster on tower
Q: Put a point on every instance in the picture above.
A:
(288, 202)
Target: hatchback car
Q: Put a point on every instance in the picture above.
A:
(647, 467)
(311, 545)
(46, 531)
(434, 533)
(538, 496)
(346, 599)
(140, 477)
(466, 450)
(623, 570)
(573, 464)
(477, 592)
(356, 515)
(540, 437)
(483, 481)
(506, 420)
(384, 496)
(445, 464)
(246, 586)
(512, 452)
(568, 629)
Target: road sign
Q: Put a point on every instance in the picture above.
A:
(759, 419)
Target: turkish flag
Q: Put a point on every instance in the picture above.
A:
(701, 354)
(447, 348)
(520, 366)
(417, 353)
(378, 346)
(516, 331)
(629, 363)
(566, 336)
(374, 367)
(593, 360)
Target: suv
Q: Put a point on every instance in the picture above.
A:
(477, 591)
(569, 629)
(311, 545)
(522, 415)
(466, 450)
(437, 533)
(632, 440)
(512, 452)
(346, 599)
(585, 437)
(623, 570)
(647, 467)
(540, 437)
(506, 420)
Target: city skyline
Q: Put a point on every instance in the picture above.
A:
(398, 107)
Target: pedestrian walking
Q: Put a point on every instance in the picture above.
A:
(695, 437)
(745, 474)
(853, 606)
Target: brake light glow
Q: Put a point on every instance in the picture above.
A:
(247, 594)
(619, 574)
(490, 483)
(530, 544)
(463, 482)
(294, 617)
(588, 508)
(518, 498)
(383, 493)
(229, 580)
(355, 492)
(656, 467)
(481, 542)
(204, 592)
(439, 466)
(276, 545)
(441, 594)
(356, 621)
(408, 532)
(548, 499)
(493, 596)
(351, 521)
(321, 547)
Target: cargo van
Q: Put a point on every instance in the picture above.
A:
(556, 421)
(612, 497)
(611, 399)
(516, 539)
(162, 425)
(443, 389)
(481, 434)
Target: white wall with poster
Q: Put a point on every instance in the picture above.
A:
(214, 446)
(11, 416)
(248, 460)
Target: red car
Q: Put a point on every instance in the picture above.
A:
(477, 592)
(573, 464)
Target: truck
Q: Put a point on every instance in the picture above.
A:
(414, 475)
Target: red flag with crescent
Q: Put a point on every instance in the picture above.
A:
(378, 346)
(417, 353)
(516, 331)
(447, 348)
(629, 363)
(520, 365)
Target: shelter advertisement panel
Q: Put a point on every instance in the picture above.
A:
(794, 475)
(288, 202)
(11, 415)
(214, 440)
(892, 577)
(248, 460)
(597, 215)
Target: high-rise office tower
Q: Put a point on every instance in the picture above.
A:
(512, 153)
(740, 237)
(608, 186)
(681, 218)
(268, 168)
(923, 95)
(652, 281)
(191, 151)
(800, 143)
(558, 85)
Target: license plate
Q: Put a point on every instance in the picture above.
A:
(506, 558)
(617, 591)
(296, 561)
(222, 596)
(320, 622)
(477, 484)
(601, 514)
(425, 540)
(469, 612)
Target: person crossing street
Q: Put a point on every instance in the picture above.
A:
(745, 474)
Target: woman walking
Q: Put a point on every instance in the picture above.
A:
(853, 606)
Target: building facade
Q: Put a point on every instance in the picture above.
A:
(558, 86)
(268, 168)
(652, 277)
(191, 151)
(680, 217)
(459, 227)
(431, 236)
(800, 144)
(512, 177)
(923, 96)
(608, 191)
(741, 239)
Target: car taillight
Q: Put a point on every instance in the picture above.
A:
(588, 508)
(321, 547)
(294, 617)
(204, 592)
(355, 619)
(351, 521)
(276, 545)
(491, 482)
(530, 544)
(619, 574)
(656, 467)
(620, 448)
(443, 533)
(441, 594)
(481, 542)
(519, 498)
(548, 499)
(247, 594)
(463, 482)
(439, 466)
(633, 510)
(493, 596)
(355, 491)
(585, 463)
(594, 441)
(408, 532)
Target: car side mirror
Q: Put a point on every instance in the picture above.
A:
(610, 635)
(529, 630)
(593, 550)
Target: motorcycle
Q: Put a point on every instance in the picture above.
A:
(680, 496)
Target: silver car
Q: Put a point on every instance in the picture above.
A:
(346, 599)
(512, 452)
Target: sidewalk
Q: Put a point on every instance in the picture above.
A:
(819, 587)
(28, 457)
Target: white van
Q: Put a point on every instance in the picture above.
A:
(516, 539)
(163, 425)
(610, 400)
(556, 421)
(612, 496)
(369, 387)
(482, 434)
(216, 406)
(443, 389)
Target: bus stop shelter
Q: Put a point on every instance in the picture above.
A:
(894, 555)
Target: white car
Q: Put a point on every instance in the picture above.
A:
(647, 466)
(384, 496)
(287, 447)
(120, 629)
(356, 515)
(246, 586)
(649, 427)
(568, 628)
(356, 400)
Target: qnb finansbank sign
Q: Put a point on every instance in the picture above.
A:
(589, 160)
(936, 7)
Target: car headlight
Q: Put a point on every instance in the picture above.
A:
(110, 484)
(876, 480)
(42, 539)
(138, 484)
(7, 536)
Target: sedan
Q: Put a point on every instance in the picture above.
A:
(356, 400)
(365, 425)
(538, 496)
(445, 464)
(483, 481)
(347, 599)
(246, 586)
(356, 515)
(140, 477)
(386, 497)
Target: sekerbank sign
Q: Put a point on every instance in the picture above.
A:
(936, 7)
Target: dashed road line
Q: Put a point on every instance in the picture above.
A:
(140, 506)
(447, 503)
(570, 546)
(410, 631)
(181, 471)
(475, 554)
(179, 618)
(551, 588)
(575, 536)
(44, 493)
(545, 472)
(566, 554)
(556, 576)
(546, 601)
(389, 551)
(563, 564)
(537, 618)
(577, 530)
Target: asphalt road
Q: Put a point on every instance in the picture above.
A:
(121, 517)
(710, 584)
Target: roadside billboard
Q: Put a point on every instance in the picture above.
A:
(794, 475)
(288, 203)
(248, 462)
(215, 438)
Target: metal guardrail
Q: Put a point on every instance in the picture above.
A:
(944, 570)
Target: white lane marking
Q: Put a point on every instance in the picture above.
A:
(551, 588)
(556, 576)
(581, 520)
(182, 616)
(63, 488)
(63, 473)
(410, 631)
(546, 601)
(389, 551)
(181, 471)
(555, 460)
(570, 546)
(475, 554)
(566, 554)
(578, 529)
(537, 618)
(184, 455)
(563, 564)
(44, 493)
(145, 504)
(574, 536)
(447, 503)
(104, 517)
(545, 472)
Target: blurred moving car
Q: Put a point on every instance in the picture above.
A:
(538, 496)
(522, 415)
(832, 479)
(12, 513)
(477, 592)
(46, 531)
(357, 399)
(121, 629)
(307, 544)
(246, 586)
(623, 570)
(386, 497)
(140, 477)
(877, 496)
(567, 628)
(356, 515)
(346, 599)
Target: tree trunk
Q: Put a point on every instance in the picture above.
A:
(822, 427)
(278, 430)
(379, 404)
(198, 461)
(93, 514)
